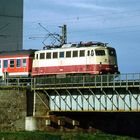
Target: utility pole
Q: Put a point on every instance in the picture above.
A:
(64, 34)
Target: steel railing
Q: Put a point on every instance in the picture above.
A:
(125, 80)
(109, 80)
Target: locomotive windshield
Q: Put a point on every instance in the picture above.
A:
(100, 52)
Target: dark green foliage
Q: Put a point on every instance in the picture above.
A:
(28, 136)
(59, 136)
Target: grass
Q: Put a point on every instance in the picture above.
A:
(59, 136)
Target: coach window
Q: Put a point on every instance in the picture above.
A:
(82, 53)
(24, 63)
(12, 63)
(61, 54)
(18, 64)
(75, 53)
(55, 55)
(68, 54)
(5, 63)
(48, 55)
(42, 55)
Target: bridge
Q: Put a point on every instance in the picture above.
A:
(58, 101)
(98, 93)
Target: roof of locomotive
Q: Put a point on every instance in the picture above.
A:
(80, 45)
(18, 52)
(84, 44)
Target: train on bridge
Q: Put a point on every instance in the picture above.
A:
(70, 59)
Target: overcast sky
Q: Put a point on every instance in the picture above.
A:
(116, 22)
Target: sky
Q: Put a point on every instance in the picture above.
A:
(116, 22)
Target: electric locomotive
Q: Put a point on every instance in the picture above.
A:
(76, 58)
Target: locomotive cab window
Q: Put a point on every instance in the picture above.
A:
(100, 52)
(12, 63)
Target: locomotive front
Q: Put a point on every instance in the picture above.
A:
(106, 60)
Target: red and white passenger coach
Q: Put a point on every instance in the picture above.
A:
(83, 58)
(16, 63)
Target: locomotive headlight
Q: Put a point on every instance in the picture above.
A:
(115, 66)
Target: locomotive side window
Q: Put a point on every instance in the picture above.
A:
(61, 54)
(75, 53)
(24, 63)
(5, 63)
(88, 53)
(48, 55)
(82, 53)
(42, 55)
(55, 55)
(112, 52)
(12, 63)
(100, 52)
(92, 53)
(36, 56)
(18, 64)
(68, 54)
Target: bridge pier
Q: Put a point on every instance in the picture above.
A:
(12, 109)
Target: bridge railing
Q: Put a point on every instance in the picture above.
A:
(131, 79)
(12, 81)
(109, 80)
